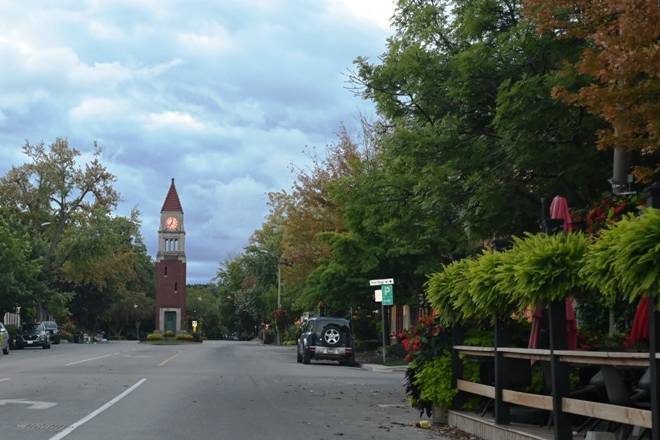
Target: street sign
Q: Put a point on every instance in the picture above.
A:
(378, 296)
(382, 282)
(388, 294)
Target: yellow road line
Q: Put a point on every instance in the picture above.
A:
(169, 359)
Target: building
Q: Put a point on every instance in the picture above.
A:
(170, 307)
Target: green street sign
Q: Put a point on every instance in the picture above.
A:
(388, 294)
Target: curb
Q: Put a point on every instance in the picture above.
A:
(383, 369)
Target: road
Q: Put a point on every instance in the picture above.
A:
(215, 390)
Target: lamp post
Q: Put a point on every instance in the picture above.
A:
(137, 323)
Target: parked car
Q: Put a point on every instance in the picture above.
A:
(4, 339)
(33, 335)
(53, 331)
(326, 338)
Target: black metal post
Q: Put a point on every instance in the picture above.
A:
(502, 339)
(457, 338)
(559, 371)
(653, 201)
(654, 340)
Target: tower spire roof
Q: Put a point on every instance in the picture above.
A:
(172, 202)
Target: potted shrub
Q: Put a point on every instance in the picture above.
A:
(434, 380)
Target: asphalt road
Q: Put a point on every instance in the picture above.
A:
(216, 390)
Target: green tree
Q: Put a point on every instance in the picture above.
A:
(19, 270)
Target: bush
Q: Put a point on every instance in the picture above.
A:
(425, 341)
(169, 334)
(625, 261)
(197, 337)
(447, 291)
(434, 381)
(546, 267)
(289, 342)
(367, 345)
(184, 336)
(154, 337)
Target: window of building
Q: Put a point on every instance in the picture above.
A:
(165, 271)
(175, 287)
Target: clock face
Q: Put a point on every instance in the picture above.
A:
(171, 223)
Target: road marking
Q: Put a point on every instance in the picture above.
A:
(169, 359)
(392, 405)
(87, 360)
(4, 379)
(32, 404)
(96, 412)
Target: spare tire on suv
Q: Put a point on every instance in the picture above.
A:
(326, 338)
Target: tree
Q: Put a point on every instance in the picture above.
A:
(472, 137)
(620, 60)
(50, 195)
(107, 268)
(19, 270)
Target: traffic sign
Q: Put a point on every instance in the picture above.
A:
(382, 282)
(388, 294)
(378, 296)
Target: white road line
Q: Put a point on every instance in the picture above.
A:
(87, 360)
(4, 379)
(169, 359)
(68, 430)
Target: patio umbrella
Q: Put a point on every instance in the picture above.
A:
(558, 210)
(640, 327)
(571, 326)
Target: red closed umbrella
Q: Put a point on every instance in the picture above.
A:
(640, 327)
(558, 210)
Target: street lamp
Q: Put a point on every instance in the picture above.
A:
(137, 323)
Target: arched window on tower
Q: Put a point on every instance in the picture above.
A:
(165, 271)
(176, 287)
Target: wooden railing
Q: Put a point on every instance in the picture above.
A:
(604, 411)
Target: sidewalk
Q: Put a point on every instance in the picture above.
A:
(377, 368)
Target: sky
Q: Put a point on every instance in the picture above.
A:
(224, 96)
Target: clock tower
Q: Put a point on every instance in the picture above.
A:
(171, 266)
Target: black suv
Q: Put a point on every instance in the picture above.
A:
(33, 335)
(326, 338)
(53, 331)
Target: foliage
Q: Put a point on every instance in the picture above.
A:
(155, 337)
(425, 341)
(414, 392)
(625, 261)
(546, 267)
(19, 269)
(184, 336)
(620, 60)
(168, 334)
(607, 210)
(490, 285)
(445, 288)
(434, 380)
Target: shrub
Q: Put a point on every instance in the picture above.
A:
(425, 341)
(626, 258)
(546, 267)
(154, 337)
(446, 289)
(367, 344)
(168, 334)
(434, 381)
(289, 342)
(490, 283)
(197, 337)
(184, 336)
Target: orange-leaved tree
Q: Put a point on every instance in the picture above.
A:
(622, 60)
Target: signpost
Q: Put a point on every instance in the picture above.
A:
(385, 296)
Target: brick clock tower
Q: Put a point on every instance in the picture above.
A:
(171, 266)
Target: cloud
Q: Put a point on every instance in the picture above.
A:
(223, 96)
